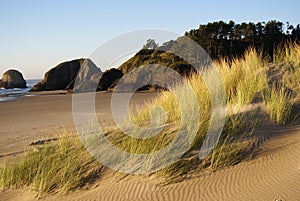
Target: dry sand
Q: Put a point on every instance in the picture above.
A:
(274, 174)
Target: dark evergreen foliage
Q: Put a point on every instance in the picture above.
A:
(221, 39)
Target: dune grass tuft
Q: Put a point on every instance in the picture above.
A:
(278, 104)
(243, 77)
(60, 166)
(289, 53)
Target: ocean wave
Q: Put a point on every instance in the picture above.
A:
(12, 94)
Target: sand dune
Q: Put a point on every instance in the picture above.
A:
(274, 173)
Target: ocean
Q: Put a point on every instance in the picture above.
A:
(12, 94)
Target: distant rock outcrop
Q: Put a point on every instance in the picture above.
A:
(88, 85)
(12, 79)
(100, 81)
(109, 78)
(62, 77)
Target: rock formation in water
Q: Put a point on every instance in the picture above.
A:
(12, 79)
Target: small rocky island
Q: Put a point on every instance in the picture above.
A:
(12, 79)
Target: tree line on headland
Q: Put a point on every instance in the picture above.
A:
(221, 39)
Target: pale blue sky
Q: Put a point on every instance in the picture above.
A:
(36, 35)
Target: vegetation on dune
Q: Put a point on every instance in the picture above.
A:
(55, 167)
(278, 103)
(249, 81)
(243, 77)
(289, 56)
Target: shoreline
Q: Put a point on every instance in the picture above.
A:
(16, 93)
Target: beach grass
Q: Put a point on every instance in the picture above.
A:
(60, 166)
(278, 104)
(243, 77)
(65, 165)
(289, 54)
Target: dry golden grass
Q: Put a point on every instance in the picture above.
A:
(60, 167)
(243, 77)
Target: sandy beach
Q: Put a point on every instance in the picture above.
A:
(39, 117)
(273, 174)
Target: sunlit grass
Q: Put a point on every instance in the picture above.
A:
(243, 77)
(278, 103)
(289, 52)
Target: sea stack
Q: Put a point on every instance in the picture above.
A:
(12, 79)
(62, 76)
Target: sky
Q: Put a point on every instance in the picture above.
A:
(36, 35)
